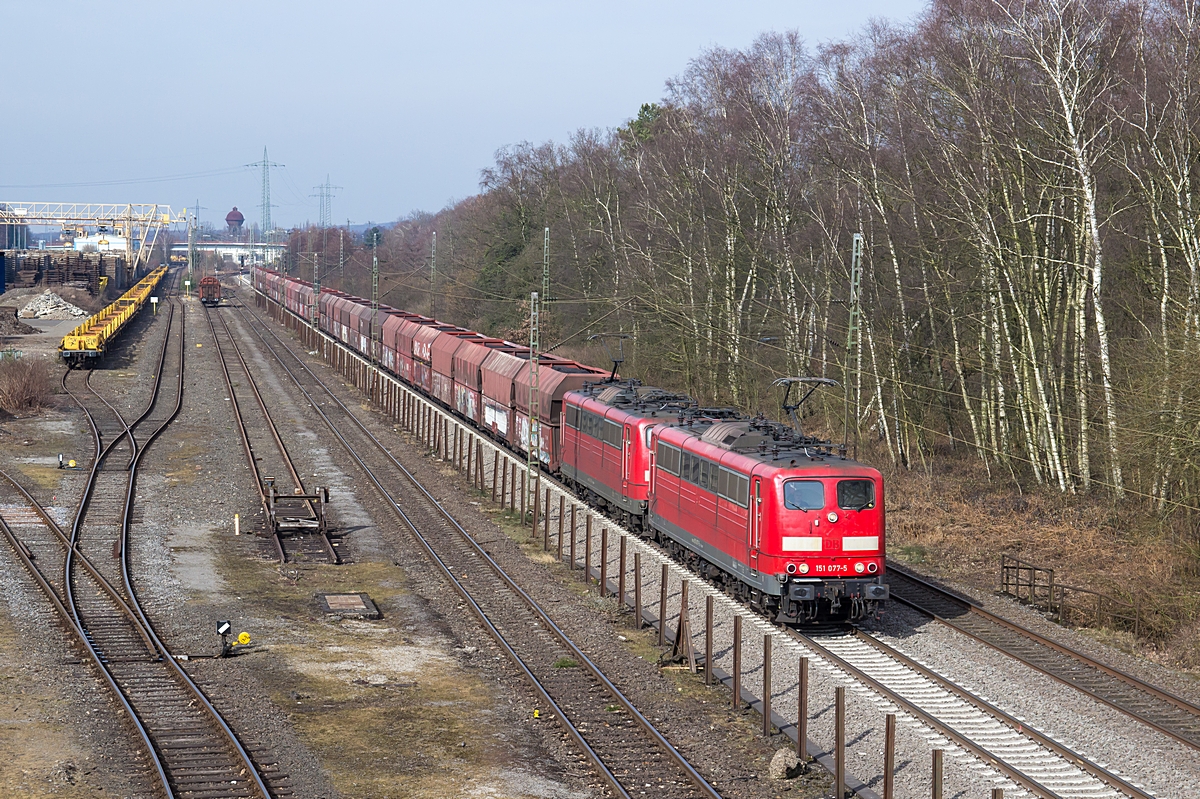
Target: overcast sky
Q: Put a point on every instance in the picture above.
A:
(399, 103)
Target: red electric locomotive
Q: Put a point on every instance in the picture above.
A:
(787, 521)
(606, 443)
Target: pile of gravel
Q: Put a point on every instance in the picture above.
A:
(49, 305)
(9, 326)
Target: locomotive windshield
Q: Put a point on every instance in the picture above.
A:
(803, 495)
(856, 494)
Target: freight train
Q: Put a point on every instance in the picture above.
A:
(783, 520)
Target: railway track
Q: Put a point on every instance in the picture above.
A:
(1152, 706)
(188, 748)
(1037, 764)
(295, 525)
(630, 754)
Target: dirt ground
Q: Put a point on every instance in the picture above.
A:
(954, 522)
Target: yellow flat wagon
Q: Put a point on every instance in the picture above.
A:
(91, 339)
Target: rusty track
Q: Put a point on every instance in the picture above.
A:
(191, 750)
(273, 454)
(622, 745)
(1154, 707)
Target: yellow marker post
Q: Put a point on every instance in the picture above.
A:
(186, 285)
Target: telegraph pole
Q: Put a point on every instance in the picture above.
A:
(545, 296)
(191, 246)
(316, 286)
(342, 251)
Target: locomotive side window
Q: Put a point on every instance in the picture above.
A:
(856, 494)
(572, 416)
(611, 433)
(668, 459)
(804, 494)
(733, 487)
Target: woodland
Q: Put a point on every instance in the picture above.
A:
(1026, 318)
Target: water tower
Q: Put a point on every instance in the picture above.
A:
(234, 220)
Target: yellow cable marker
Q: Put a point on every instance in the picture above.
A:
(243, 638)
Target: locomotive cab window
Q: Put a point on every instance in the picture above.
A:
(804, 495)
(856, 494)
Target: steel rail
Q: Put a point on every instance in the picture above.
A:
(326, 544)
(970, 697)
(697, 779)
(27, 561)
(126, 520)
(1062, 649)
(141, 623)
(979, 751)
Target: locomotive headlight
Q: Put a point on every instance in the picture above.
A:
(832, 517)
(859, 567)
(803, 568)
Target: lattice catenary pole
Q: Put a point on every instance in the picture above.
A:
(535, 422)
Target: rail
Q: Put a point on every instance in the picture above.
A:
(1148, 704)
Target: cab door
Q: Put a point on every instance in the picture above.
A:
(626, 459)
(756, 520)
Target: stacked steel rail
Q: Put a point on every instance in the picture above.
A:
(295, 521)
(190, 748)
(90, 340)
(621, 744)
(1154, 707)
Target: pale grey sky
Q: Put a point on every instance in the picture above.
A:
(400, 103)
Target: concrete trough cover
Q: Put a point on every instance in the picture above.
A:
(349, 605)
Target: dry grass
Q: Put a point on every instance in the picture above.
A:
(25, 385)
(954, 520)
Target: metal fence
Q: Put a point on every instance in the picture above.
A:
(1069, 604)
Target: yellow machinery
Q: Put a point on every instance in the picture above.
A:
(91, 338)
